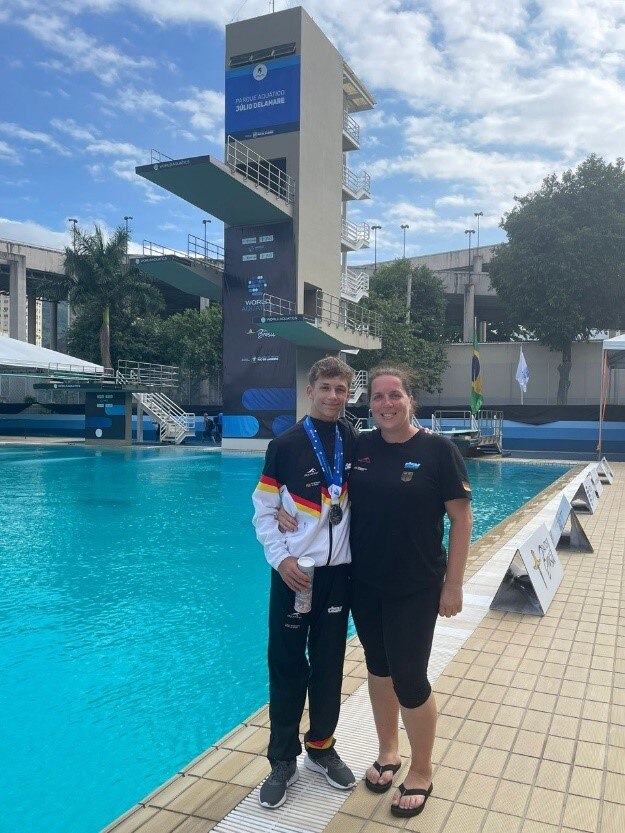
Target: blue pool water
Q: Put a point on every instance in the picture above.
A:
(132, 618)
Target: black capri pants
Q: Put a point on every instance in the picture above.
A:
(396, 633)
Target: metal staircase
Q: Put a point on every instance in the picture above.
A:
(358, 387)
(354, 285)
(175, 425)
(358, 422)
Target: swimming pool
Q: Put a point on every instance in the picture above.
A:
(132, 621)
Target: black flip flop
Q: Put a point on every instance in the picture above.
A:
(396, 810)
(380, 768)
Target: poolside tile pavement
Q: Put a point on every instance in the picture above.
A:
(531, 733)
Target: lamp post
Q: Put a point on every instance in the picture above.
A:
(127, 218)
(374, 229)
(478, 214)
(74, 221)
(206, 222)
(469, 231)
(403, 227)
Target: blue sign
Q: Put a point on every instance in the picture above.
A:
(263, 99)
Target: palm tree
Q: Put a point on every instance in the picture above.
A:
(100, 278)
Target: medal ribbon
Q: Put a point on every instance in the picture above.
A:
(334, 479)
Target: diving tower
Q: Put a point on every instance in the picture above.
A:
(282, 191)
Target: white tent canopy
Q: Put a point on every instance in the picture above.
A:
(614, 351)
(15, 355)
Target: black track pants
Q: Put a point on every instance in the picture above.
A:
(292, 674)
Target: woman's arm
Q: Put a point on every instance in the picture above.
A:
(461, 518)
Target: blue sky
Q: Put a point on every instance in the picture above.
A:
(478, 100)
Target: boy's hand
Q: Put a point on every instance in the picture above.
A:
(286, 522)
(291, 574)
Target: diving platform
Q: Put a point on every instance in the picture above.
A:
(244, 190)
(198, 273)
(473, 434)
(334, 324)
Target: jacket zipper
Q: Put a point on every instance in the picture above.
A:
(330, 553)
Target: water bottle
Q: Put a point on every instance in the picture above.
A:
(303, 598)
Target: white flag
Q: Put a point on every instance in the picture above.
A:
(522, 372)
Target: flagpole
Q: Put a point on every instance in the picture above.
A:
(520, 354)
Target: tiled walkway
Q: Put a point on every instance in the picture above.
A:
(531, 732)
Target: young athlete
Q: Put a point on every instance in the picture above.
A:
(306, 471)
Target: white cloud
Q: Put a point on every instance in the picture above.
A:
(9, 154)
(29, 231)
(125, 169)
(71, 128)
(109, 148)
(80, 51)
(32, 137)
(454, 201)
(206, 110)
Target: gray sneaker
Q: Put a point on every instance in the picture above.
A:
(273, 791)
(336, 772)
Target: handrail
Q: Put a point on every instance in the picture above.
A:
(174, 423)
(151, 249)
(357, 235)
(355, 285)
(358, 422)
(259, 170)
(359, 385)
(486, 423)
(275, 307)
(356, 182)
(346, 314)
(329, 309)
(199, 248)
(351, 127)
(156, 156)
(147, 373)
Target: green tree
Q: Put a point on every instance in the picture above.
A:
(102, 285)
(418, 343)
(560, 276)
(193, 340)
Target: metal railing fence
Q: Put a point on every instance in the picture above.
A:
(156, 157)
(260, 171)
(354, 285)
(356, 182)
(351, 127)
(347, 314)
(146, 373)
(275, 307)
(355, 234)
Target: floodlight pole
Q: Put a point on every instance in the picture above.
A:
(478, 214)
(375, 247)
(127, 218)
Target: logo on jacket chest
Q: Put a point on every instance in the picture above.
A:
(409, 470)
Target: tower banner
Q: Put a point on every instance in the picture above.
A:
(259, 367)
(263, 99)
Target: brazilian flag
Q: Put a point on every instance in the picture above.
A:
(477, 400)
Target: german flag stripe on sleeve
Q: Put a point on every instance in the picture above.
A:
(268, 484)
(307, 506)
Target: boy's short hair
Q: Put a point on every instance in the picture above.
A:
(330, 368)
